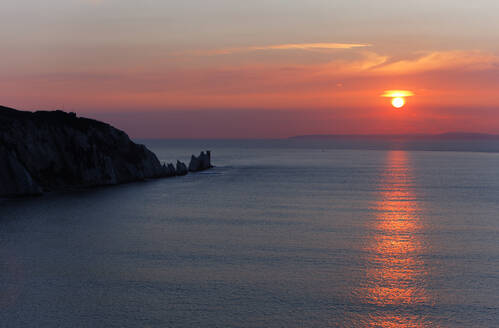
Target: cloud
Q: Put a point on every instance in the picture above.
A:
(339, 79)
(439, 61)
(367, 63)
(397, 93)
(287, 46)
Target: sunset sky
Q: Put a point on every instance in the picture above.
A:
(255, 69)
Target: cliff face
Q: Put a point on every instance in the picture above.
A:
(47, 151)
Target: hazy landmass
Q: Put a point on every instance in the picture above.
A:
(450, 141)
(441, 136)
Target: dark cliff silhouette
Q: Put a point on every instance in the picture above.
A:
(54, 150)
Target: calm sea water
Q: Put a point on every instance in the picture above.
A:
(277, 235)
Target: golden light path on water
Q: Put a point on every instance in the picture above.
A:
(395, 282)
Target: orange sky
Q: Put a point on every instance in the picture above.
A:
(315, 68)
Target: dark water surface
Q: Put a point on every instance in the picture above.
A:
(273, 237)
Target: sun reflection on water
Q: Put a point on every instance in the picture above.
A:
(395, 283)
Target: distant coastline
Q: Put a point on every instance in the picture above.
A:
(452, 141)
(441, 136)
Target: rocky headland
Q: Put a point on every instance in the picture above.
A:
(53, 150)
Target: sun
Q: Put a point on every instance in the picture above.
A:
(398, 102)
(398, 97)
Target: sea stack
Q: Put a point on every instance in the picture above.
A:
(181, 169)
(200, 163)
(54, 150)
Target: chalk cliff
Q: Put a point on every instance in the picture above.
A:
(50, 151)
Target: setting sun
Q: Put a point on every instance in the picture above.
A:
(398, 97)
(398, 102)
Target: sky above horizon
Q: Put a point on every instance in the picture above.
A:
(262, 68)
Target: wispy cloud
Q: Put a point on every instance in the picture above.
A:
(397, 93)
(277, 47)
(370, 63)
(440, 60)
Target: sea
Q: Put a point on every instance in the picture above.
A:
(281, 233)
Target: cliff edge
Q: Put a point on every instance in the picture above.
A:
(54, 150)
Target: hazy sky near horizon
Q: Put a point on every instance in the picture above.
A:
(316, 66)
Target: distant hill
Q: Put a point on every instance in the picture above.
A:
(442, 136)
